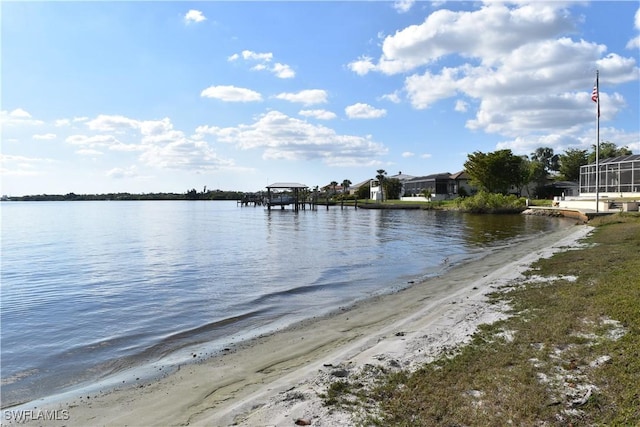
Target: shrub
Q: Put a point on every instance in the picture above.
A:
(484, 202)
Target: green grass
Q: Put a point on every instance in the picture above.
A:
(541, 202)
(569, 336)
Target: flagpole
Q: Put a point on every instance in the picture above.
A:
(598, 142)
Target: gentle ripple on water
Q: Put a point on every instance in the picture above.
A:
(90, 287)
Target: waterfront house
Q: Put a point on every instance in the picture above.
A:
(441, 186)
(375, 192)
(618, 186)
(618, 177)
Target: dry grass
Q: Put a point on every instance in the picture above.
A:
(569, 355)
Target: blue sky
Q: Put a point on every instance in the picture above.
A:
(144, 97)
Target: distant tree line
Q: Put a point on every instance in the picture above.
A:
(189, 195)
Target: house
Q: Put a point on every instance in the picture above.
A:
(618, 186)
(441, 186)
(619, 177)
(561, 189)
(375, 192)
(353, 189)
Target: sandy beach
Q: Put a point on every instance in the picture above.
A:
(274, 380)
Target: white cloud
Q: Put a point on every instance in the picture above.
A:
(12, 165)
(515, 115)
(119, 173)
(93, 140)
(45, 136)
(19, 113)
(487, 33)
(364, 111)
(362, 65)
(318, 114)
(512, 60)
(461, 106)
(425, 156)
(634, 43)
(282, 71)
(403, 6)
(393, 97)
(18, 116)
(306, 97)
(255, 56)
(284, 137)
(231, 94)
(89, 152)
(194, 16)
(618, 69)
(112, 123)
(426, 89)
(157, 142)
(407, 154)
(68, 122)
(184, 154)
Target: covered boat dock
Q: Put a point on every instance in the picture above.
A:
(292, 193)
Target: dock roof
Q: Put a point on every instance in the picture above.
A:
(287, 185)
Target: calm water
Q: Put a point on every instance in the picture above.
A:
(89, 288)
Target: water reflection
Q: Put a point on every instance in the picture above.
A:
(483, 230)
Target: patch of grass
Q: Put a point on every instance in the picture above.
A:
(541, 202)
(336, 393)
(572, 357)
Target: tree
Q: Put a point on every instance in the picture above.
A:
(381, 173)
(608, 150)
(192, 194)
(545, 156)
(537, 175)
(333, 185)
(570, 163)
(495, 172)
(363, 192)
(392, 188)
(345, 186)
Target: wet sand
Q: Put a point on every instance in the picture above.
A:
(275, 379)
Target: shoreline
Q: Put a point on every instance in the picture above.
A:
(275, 379)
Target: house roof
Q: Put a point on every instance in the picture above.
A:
(562, 184)
(443, 175)
(628, 158)
(360, 184)
(460, 175)
(401, 176)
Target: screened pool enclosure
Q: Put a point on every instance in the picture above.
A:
(618, 177)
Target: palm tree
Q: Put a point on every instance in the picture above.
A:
(345, 186)
(333, 185)
(380, 177)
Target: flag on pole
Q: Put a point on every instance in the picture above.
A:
(594, 96)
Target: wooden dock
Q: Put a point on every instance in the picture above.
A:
(251, 199)
(284, 194)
